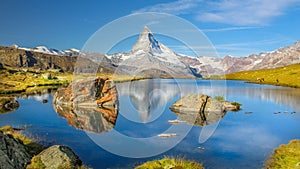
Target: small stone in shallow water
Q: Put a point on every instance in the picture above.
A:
(44, 101)
(174, 121)
(167, 135)
(293, 112)
(248, 112)
(286, 112)
(201, 148)
(277, 112)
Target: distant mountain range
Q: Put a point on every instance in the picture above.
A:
(148, 57)
(229, 64)
(50, 51)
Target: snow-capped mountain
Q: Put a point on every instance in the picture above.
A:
(151, 58)
(51, 51)
(229, 64)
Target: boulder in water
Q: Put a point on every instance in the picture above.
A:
(200, 109)
(88, 104)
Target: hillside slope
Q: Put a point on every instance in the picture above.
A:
(282, 76)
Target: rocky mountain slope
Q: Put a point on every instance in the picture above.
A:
(20, 58)
(15, 57)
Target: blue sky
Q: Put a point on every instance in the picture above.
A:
(234, 27)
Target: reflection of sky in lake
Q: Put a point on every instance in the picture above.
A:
(240, 141)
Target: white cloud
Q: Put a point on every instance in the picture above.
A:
(176, 8)
(252, 12)
(234, 12)
(230, 29)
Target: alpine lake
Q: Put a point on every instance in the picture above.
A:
(269, 116)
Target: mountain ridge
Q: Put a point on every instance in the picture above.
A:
(148, 53)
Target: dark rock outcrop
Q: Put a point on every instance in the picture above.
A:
(13, 153)
(1, 66)
(56, 156)
(199, 109)
(89, 104)
(8, 104)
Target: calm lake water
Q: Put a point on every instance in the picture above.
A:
(240, 140)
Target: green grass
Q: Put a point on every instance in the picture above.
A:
(36, 163)
(220, 98)
(168, 163)
(282, 76)
(286, 156)
(15, 80)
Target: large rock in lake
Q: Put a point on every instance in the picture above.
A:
(199, 109)
(13, 153)
(88, 104)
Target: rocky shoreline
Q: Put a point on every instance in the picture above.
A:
(17, 151)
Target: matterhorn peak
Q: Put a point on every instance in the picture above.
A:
(147, 43)
(146, 30)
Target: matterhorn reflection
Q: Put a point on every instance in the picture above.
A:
(147, 97)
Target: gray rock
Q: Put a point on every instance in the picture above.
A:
(198, 109)
(13, 153)
(58, 156)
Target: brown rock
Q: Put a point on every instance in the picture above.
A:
(89, 104)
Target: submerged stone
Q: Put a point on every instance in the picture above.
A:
(8, 104)
(199, 109)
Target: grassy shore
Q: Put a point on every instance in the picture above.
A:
(283, 76)
(171, 162)
(285, 157)
(20, 80)
(15, 80)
